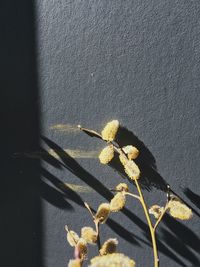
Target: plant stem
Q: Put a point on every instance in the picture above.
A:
(160, 218)
(152, 232)
(140, 197)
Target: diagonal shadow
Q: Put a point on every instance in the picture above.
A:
(172, 251)
(145, 161)
(194, 198)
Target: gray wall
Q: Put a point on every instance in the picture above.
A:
(138, 62)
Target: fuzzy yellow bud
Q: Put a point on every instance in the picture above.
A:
(81, 247)
(106, 154)
(179, 210)
(114, 260)
(89, 234)
(122, 187)
(109, 246)
(74, 263)
(103, 212)
(156, 211)
(123, 159)
(110, 130)
(132, 170)
(131, 151)
(117, 202)
(72, 238)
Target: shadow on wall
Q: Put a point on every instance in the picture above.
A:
(171, 240)
(21, 219)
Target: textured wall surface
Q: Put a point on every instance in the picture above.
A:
(138, 62)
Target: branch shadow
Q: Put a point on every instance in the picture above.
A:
(145, 161)
(194, 198)
(171, 239)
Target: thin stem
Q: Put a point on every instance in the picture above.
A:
(152, 232)
(160, 218)
(96, 222)
(133, 195)
(89, 209)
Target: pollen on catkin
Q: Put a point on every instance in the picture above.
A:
(82, 248)
(131, 151)
(132, 170)
(110, 130)
(179, 210)
(156, 211)
(74, 263)
(109, 246)
(114, 260)
(122, 187)
(103, 212)
(72, 238)
(117, 202)
(123, 159)
(106, 154)
(89, 234)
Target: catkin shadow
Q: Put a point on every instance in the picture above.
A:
(172, 243)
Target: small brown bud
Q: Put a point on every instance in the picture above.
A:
(122, 187)
(103, 212)
(109, 246)
(81, 248)
(156, 211)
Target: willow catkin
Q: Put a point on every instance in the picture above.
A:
(122, 187)
(103, 212)
(131, 151)
(74, 263)
(109, 246)
(114, 260)
(132, 170)
(106, 154)
(179, 210)
(82, 248)
(110, 130)
(72, 238)
(156, 211)
(89, 234)
(117, 202)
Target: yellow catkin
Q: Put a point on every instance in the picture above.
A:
(156, 211)
(103, 212)
(110, 130)
(89, 234)
(132, 170)
(106, 154)
(122, 187)
(131, 151)
(82, 248)
(179, 210)
(72, 238)
(117, 202)
(109, 246)
(74, 263)
(112, 260)
(123, 159)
